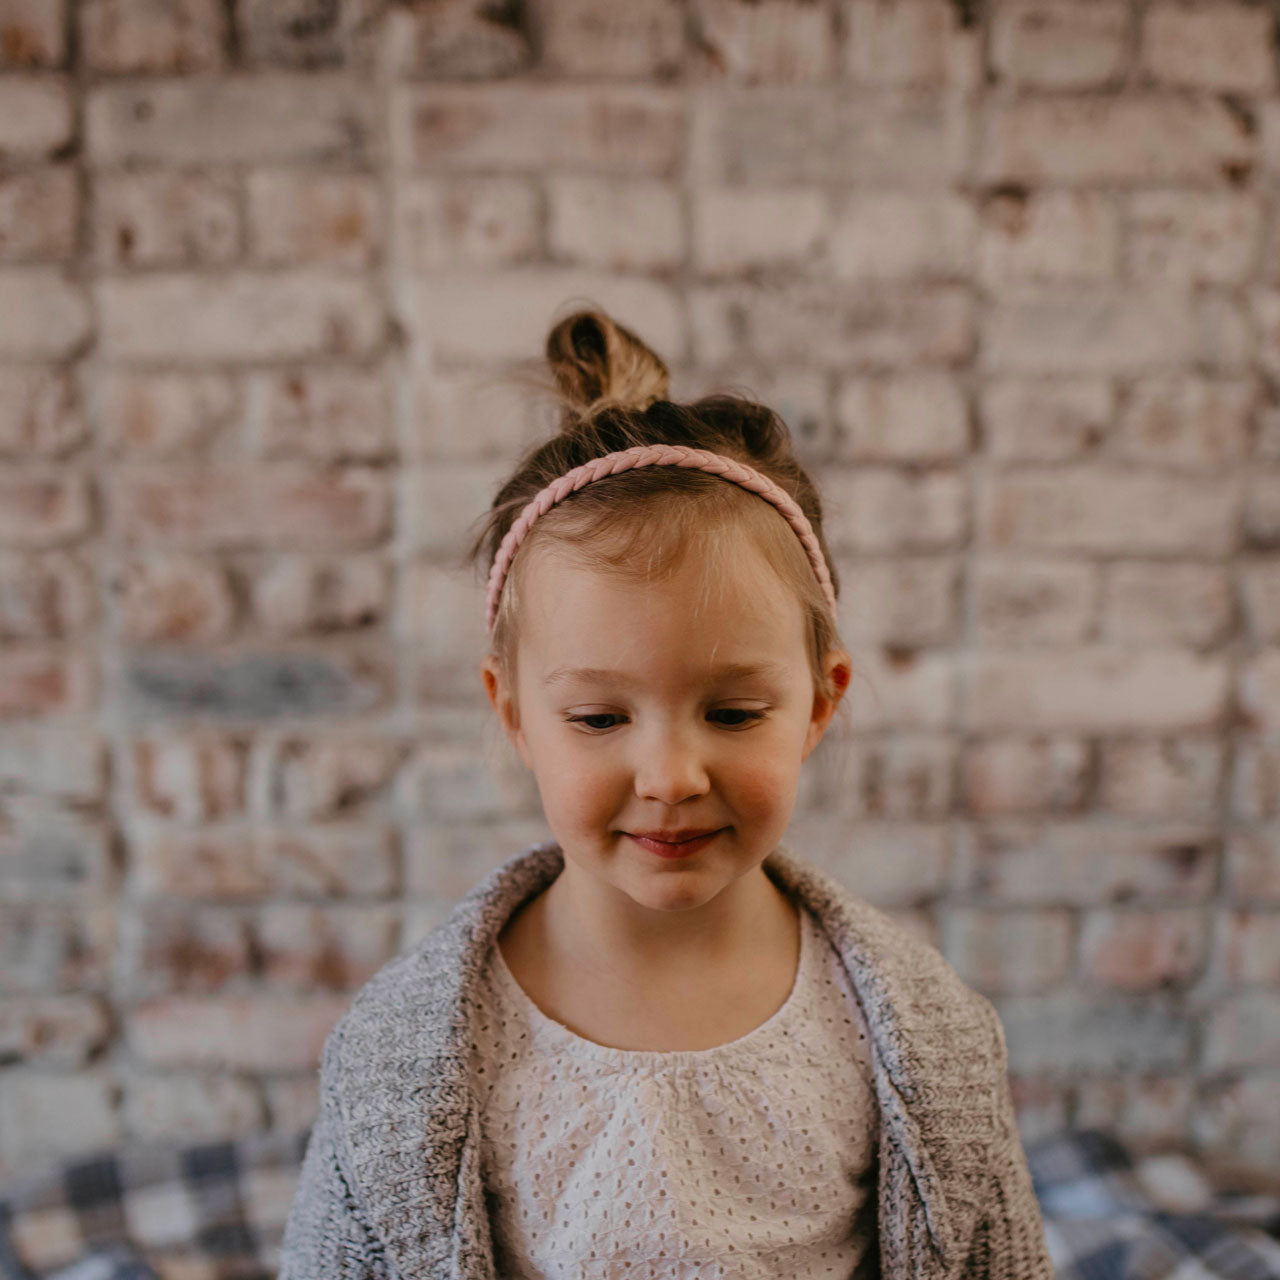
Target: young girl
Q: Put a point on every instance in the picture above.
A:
(661, 1045)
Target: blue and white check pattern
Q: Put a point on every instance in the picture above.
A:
(216, 1211)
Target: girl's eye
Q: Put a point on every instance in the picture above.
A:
(738, 717)
(595, 720)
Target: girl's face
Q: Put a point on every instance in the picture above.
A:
(661, 719)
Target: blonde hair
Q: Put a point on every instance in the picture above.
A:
(612, 389)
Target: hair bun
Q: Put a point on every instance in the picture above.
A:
(596, 361)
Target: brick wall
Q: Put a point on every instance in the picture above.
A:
(1010, 270)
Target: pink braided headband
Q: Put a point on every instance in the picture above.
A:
(655, 455)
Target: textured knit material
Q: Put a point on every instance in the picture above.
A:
(751, 1160)
(391, 1185)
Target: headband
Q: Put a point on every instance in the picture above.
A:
(655, 455)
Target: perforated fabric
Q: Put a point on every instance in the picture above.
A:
(751, 1159)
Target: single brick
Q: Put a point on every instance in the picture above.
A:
(326, 414)
(899, 235)
(309, 35)
(1011, 774)
(457, 40)
(788, 135)
(903, 776)
(42, 508)
(33, 33)
(201, 1106)
(1009, 952)
(533, 128)
(48, 1115)
(1253, 864)
(49, 853)
(54, 760)
(1164, 778)
(180, 947)
(1177, 604)
(185, 777)
(1095, 509)
(164, 414)
(642, 39)
(1256, 780)
(181, 36)
(1033, 602)
(47, 946)
(37, 117)
(1057, 235)
(327, 777)
(1060, 44)
(912, 42)
(886, 509)
(763, 40)
(741, 230)
(41, 412)
(178, 599)
(1260, 595)
(238, 317)
(283, 505)
(1204, 237)
(1044, 419)
(900, 602)
(43, 315)
(467, 221)
(296, 596)
(297, 218)
(1081, 329)
(1243, 1031)
(52, 1031)
(315, 118)
(1259, 691)
(909, 417)
(1187, 422)
(1135, 138)
(312, 948)
(1222, 46)
(1248, 947)
(1094, 688)
(1143, 950)
(616, 224)
(38, 213)
(252, 1032)
(164, 219)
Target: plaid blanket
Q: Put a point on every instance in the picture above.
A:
(216, 1211)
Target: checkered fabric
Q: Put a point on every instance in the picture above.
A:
(216, 1211)
(1108, 1216)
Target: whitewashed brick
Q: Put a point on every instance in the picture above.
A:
(1187, 422)
(1259, 691)
(173, 599)
(36, 115)
(1143, 1111)
(202, 1107)
(181, 36)
(317, 117)
(197, 318)
(1220, 45)
(466, 221)
(1024, 602)
(1206, 237)
(165, 219)
(893, 234)
(1161, 778)
(1044, 419)
(496, 316)
(533, 128)
(642, 38)
(1253, 864)
(792, 134)
(1091, 508)
(296, 596)
(1247, 947)
(1260, 597)
(44, 1116)
(882, 509)
(441, 619)
(911, 417)
(38, 213)
(904, 602)
(324, 777)
(1087, 329)
(299, 218)
(1013, 774)
(1262, 509)
(1009, 952)
(43, 315)
(1060, 44)
(1225, 342)
(912, 42)
(1158, 604)
(477, 413)
(1243, 1031)
(900, 689)
(443, 499)
(620, 225)
(41, 412)
(1255, 791)
(322, 413)
(33, 33)
(736, 230)
(1048, 236)
(455, 39)
(1095, 688)
(763, 40)
(1114, 139)
(163, 415)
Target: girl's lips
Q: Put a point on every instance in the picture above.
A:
(674, 849)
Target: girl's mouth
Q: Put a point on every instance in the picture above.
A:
(674, 848)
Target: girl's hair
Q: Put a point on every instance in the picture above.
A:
(612, 389)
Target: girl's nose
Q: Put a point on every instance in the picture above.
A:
(670, 770)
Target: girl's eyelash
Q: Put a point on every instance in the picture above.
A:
(751, 717)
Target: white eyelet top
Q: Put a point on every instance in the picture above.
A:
(751, 1160)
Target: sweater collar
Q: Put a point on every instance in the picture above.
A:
(399, 1061)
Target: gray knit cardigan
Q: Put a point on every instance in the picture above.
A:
(390, 1187)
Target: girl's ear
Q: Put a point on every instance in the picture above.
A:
(503, 699)
(838, 667)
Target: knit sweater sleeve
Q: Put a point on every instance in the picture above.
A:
(327, 1233)
(1009, 1242)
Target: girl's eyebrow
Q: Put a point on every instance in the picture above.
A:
(603, 675)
